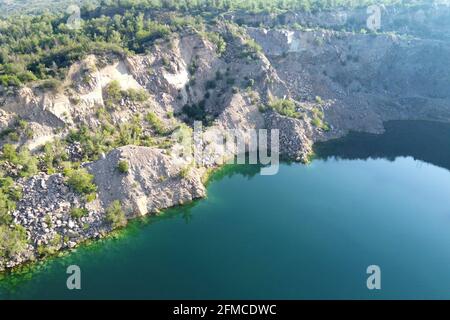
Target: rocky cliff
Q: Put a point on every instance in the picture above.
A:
(337, 81)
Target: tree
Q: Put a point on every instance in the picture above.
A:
(115, 215)
(13, 240)
(123, 166)
(81, 181)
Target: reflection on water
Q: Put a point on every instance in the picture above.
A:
(307, 232)
(423, 140)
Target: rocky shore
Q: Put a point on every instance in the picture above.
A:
(152, 183)
(332, 82)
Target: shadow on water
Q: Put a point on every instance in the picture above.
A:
(423, 140)
(227, 171)
(114, 243)
(426, 141)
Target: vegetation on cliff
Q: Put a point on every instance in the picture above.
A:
(42, 47)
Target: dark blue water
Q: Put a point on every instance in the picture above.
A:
(308, 232)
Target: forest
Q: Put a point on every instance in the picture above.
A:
(43, 46)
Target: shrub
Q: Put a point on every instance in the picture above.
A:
(220, 43)
(52, 247)
(192, 68)
(156, 123)
(78, 212)
(50, 84)
(28, 162)
(14, 136)
(210, 84)
(250, 83)
(139, 95)
(13, 240)
(115, 215)
(91, 197)
(23, 158)
(252, 48)
(54, 154)
(185, 171)
(81, 181)
(9, 193)
(165, 62)
(318, 118)
(316, 122)
(114, 94)
(284, 107)
(9, 81)
(6, 206)
(113, 90)
(10, 153)
(319, 100)
(219, 75)
(123, 167)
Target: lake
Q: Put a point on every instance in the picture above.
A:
(309, 232)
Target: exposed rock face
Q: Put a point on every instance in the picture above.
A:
(426, 21)
(356, 81)
(294, 141)
(153, 181)
(44, 212)
(366, 79)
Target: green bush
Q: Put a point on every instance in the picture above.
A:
(193, 67)
(54, 155)
(13, 240)
(219, 42)
(156, 123)
(114, 94)
(6, 207)
(123, 166)
(251, 49)
(50, 84)
(115, 215)
(319, 100)
(210, 84)
(137, 95)
(43, 47)
(81, 181)
(91, 197)
(14, 136)
(29, 163)
(78, 212)
(284, 107)
(195, 111)
(24, 159)
(185, 171)
(318, 120)
(9, 194)
(52, 247)
(10, 153)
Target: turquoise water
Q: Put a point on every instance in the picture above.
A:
(308, 232)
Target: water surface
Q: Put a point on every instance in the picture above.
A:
(308, 232)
